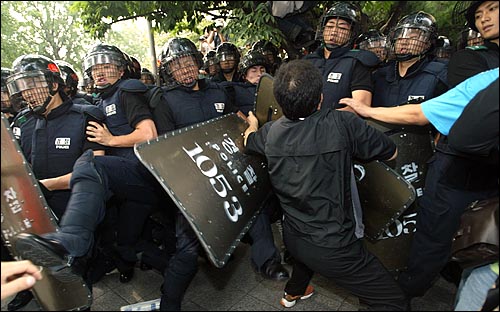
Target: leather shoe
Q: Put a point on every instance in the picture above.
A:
(20, 300)
(127, 275)
(274, 270)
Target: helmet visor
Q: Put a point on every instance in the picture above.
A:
(20, 82)
(183, 69)
(101, 58)
(410, 41)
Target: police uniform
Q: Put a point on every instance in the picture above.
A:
(452, 182)
(424, 80)
(122, 117)
(471, 61)
(183, 107)
(343, 72)
(244, 95)
(52, 144)
(125, 105)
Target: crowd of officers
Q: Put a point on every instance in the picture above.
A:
(80, 146)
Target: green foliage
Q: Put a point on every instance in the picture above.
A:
(42, 27)
(66, 30)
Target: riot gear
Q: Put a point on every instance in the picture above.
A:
(471, 38)
(268, 49)
(444, 48)
(105, 54)
(414, 36)
(343, 36)
(211, 63)
(252, 58)
(33, 81)
(69, 77)
(147, 77)
(176, 68)
(374, 41)
(135, 69)
(6, 103)
(227, 52)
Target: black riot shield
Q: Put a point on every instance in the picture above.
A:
(218, 188)
(415, 148)
(384, 194)
(24, 210)
(266, 107)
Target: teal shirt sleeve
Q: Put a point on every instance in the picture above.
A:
(444, 110)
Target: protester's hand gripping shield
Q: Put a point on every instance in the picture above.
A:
(217, 187)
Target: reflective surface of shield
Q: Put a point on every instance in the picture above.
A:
(217, 187)
(24, 210)
(384, 196)
(415, 148)
(266, 107)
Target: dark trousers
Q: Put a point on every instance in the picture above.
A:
(182, 266)
(93, 182)
(351, 267)
(440, 208)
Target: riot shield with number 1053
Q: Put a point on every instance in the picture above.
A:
(24, 210)
(217, 187)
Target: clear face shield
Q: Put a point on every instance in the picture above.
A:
(104, 69)
(474, 38)
(184, 70)
(227, 62)
(336, 33)
(377, 46)
(409, 42)
(32, 88)
(6, 105)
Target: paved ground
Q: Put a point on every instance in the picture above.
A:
(237, 288)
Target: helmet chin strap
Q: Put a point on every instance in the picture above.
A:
(40, 111)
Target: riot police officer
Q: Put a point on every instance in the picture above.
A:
(443, 50)
(211, 64)
(374, 41)
(70, 79)
(251, 68)
(346, 73)
(7, 107)
(203, 100)
(413, 75)
(53, 136)
(270, 52)
(229, 58)
(453, 181)
(128, 121)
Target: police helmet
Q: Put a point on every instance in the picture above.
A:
(6, 104)
(342, 10)
(375, 41)
(105, 54)
(228, 51)
(252, 58)
(69, 76)
(173, 50)
(37, 73)
(426, 27)
(444, 49)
